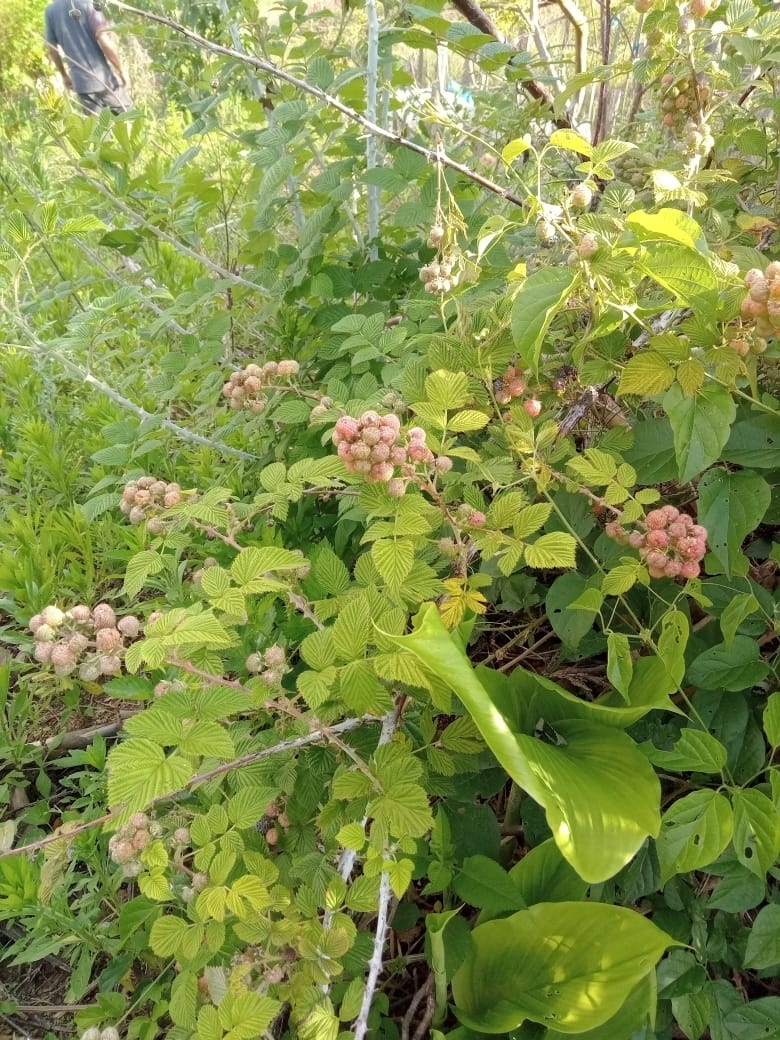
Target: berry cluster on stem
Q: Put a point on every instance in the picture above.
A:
(439, 275)
(244, 387)
(669, 542)
(146, 498)
(93, 641)
(762, 303)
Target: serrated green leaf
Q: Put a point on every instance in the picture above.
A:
(671, 225)
(207, 738)
(466, 421)
(530, 519)
(571, 141)
(763, 944)
(446, 390)
(691, 375)
(215, 582)
(696, 751)
(647, 373)
(553, 550)
(252, 565)
(139, 568)
(139, 772)
(393, 559)
(402, 811)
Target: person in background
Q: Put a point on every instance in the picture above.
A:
(77, 31)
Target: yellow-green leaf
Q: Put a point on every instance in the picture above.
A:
(648, 373)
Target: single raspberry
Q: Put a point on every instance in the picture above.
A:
(275, 656)
(104, 616)
(129, 626)
(396, 487)
(532, 407)
(52, 616)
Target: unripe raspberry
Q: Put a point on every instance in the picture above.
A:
(35, 623)
(344, 451)
(697, 531)
(753, 275)
(145, 482)
(382, 471)
(107, 640)
(109, 1033)
(171, 498)
(129, 626)
(143, 498)
(89, 671)
(443, 463)
(419, 452)
(503, 397)
(532, 407)
(396, 487)
(380, 452)
(155, 828)
(581, 197)
(275, 656)
(52, 616)
(139, 819)
(371, 435)
(141, 839)
(436, 236)
(272, 836)
(397, 456)
(390, 421)
(42, 652)
(136, 516)
(181, 836)
(78, 643)
(93, 1033)
(446, 546)
(187, 894)
(677, 530)
(371, 418)
(361, 466)
(427, 274)
(690, 569)
(588, 246)
(643, 6)
(657, 539)
(655, 558)
(546, 233)
(121, 852)
(104, 616)
(516, 387)
(62, 659)
(271, 677)
(656, 520)
(270, 368)
(317, 411)
(287, 369)
(110, 664)
(253, 663)
(636, 539)
(45, 634)
(477, 519)
(227, 389)
(700, 8)
(346, 428)
(773, 270)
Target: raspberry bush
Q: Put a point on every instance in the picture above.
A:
(409, 455)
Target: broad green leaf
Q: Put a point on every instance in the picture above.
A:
(738, 610)
(772, 719)
(694, 832)
(138, 570)
(754, 442)
(758, 1020)
(763, 945)
(534, 307)
(569, 966)
(620, 666)
(246, 1015)
(482, 883)
(447, 390)
(700, 425)
(671, 225)
(571, 141)
(167, 935)
(731, 505)
(393, 559)
(739, 666)
(696, 751)
(600, 794)
(756, 830)
(401, 811)
(686, 274)
(515, 148)
(691, 375)
(544, 876)
(139, 772)
(693, 1013)
(637, 1012)
(647, 374)
(571, 626)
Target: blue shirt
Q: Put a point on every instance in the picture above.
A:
(77, 38)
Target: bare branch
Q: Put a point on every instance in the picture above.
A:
(375, 964)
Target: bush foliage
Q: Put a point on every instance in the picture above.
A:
(389, 562)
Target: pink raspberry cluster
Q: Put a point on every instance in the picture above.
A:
(130, 840)
(244, 387)
(371, 445)
(93, 641)
(763, 300)
(146, 498)
(271, 664)
(671, 545)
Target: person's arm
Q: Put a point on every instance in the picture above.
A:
(107, 44)
(56, 57)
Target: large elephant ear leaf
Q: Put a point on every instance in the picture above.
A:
(568, 966)
(600, 794)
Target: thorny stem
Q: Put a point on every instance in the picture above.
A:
(295, 744)
(375, 964)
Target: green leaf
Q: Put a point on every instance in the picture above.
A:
(447, 390)
(393, 559)
(167, 935)
(738, 610)
(544, 876)
(754, 442)
(466, 421)
(515, 148)
(250, 566)
(647, 373)
(569, 966)
(763, 945)
(139, 772)
(738, 666)
(758, 1020)
(772, 719)
(208, 739)
(700, 425)
(687, 275)
(482, 883)
(756, 830)
(245, 1016)
(401, 811)
(530, 519)
(571, 141)
(696, 751)
(571, 626)
(556, 549)
(351, 629)
(671, 225)
(534, 307)
(599, 792)
(620, 666)
(731, 505)
(694, 832)
(139, 568)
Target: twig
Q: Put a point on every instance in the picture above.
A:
(426, 990)
(375, 964)
(308, 88)
(372, 152)
(201, 778)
